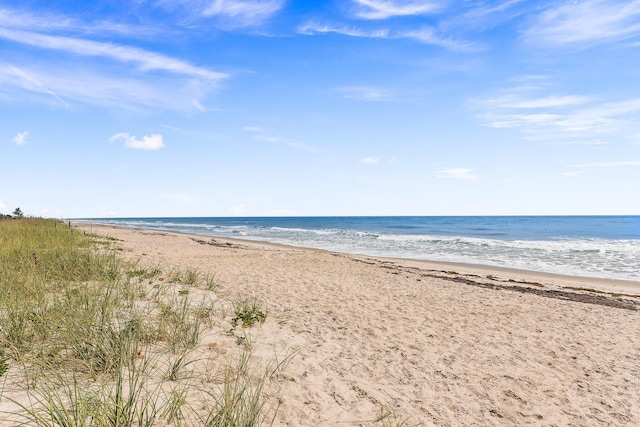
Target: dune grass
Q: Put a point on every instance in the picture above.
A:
(88, 339)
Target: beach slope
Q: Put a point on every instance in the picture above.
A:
(438, 344)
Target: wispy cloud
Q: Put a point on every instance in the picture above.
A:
(265, 135)
(457, 173)
(311, 28)
(572, 173)
(383, 9)
(550, 101)
(608, 164)
(149, 142)
(366, 93)
(48, 22)
(107, 74)
(571, 119)
(21, 138)
(492, 8)
(370, 160)
(145, 60)
(586, 22)
(425, 35)
(244, 12)
(227, 14)
(429, 35)
(54, 86)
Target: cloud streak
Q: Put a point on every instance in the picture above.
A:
(47, 22)
(586, 22)
(457, 173)
(574, 118)
(608, 164)
(550, 101)
(264, 135)
(384, 9)
(424, 35)
(244, 12)
(53, 86)
(312, 28)
(145, 60)
(224, 14)
(366, 93)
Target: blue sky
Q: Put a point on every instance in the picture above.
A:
(352, 107)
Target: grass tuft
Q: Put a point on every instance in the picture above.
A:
(88, 339)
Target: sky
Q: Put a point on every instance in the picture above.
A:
(139, 108)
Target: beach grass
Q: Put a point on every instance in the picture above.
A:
(87, 338)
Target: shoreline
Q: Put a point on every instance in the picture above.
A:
(599, 283)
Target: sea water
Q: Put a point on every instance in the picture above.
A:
(595, 246)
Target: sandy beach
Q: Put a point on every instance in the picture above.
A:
(439, 344)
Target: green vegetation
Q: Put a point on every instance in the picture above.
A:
(247, 313)
(17, 213)
(87, 339)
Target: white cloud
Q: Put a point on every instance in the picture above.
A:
(149, 142)
(240, 209)
(587, 22)
(145, 60)
(244, 13)
(2, 206)
(370, 160)
(254, 129)
(545, 102)
(265, 135)
(571, 119)
(44, 21)
(226, 14)
(424, 35)
(131, 77)
(572, 173)
(53, 86)
(492, 8)
(312, 28)
(21, 138)
(457, 173)
(383, 9)
(428, 35)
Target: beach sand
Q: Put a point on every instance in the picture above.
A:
(442, 344)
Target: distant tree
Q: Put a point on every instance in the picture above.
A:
(18, 213)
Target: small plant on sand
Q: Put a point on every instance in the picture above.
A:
(248, 394)
(3, 363)
(247, 313)
(210, 282)
(390, 418)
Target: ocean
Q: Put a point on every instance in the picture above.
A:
(591, 246)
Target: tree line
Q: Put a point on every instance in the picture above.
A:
(17, 214)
